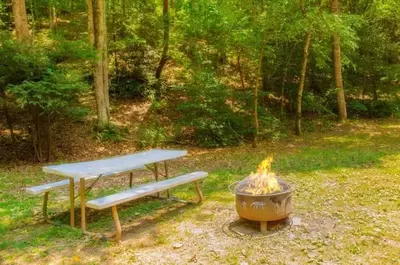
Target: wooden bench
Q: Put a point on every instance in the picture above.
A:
(144, 190)
(46, 188)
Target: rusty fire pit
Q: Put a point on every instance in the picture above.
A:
(265, 208)
(262, 196)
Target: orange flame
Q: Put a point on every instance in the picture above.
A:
(264, 181)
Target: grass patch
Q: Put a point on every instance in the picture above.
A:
(347, 180)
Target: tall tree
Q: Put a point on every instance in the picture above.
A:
(101, 85)
(89, 7)
(20, 20)
(299, 97)
(256, 98)
(300, 90)
(23, 35)
(52, 15)
(164, 56)
(337, 68)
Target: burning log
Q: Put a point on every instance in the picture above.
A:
(264, 181)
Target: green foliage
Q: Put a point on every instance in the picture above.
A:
(20, 63)
(315, 104)
(3, 15)
(208, 41)
(44, 82)
(111, 132)
(39, 78)
(53, 94)
(134, 77)
(207, 114)
(383, 108)
(356, 108)
(152, 135)
(370, 108)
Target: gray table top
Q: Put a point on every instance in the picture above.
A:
(113, 165)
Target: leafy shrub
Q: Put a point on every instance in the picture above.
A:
(383, 108)
(129, 88)
(44, 82)
(315, 104)
(270, 126)
(373, 108)
(132, 73)
(207, 114)
(111, 132)
(153, 135)
(55, 92)
(356, 108)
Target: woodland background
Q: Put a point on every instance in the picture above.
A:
(211, 73)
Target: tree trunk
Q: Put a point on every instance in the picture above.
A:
(114, 38)
(266, 83)
(374, 90)
(222, 57)
(52, 15)
(101, 67)
(90, 26)
(20, 20)
(172, 13)
(301, 83)
(240, 71)
(284, 80)
(40, 132)
(337, 68)
(7, 115)
(164, 56)
(256, 122)
(32, 9)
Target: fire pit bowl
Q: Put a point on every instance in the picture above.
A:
(266, 207)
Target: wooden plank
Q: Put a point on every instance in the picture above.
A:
(45, 201)
(130, 179)
(72, 202)
(167, 177)
(156, 175)
(117, 223)
(37, 190)
(144, 190)
(199, 193)
(113, 165)
(82, 192)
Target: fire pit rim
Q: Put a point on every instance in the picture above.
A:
(288, 190)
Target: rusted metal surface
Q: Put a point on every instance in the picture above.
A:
(268, 207)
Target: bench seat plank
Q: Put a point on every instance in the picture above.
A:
(144, 190)
(36, 190)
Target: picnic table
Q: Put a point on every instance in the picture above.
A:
(94, 170)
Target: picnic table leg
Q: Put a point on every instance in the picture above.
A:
(130, 179)
(167, 176)
(156, 175)
(199, 193)
(72, 201)
(83, 203)
(45, 200)
(117, 223)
